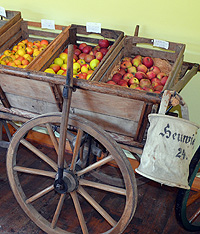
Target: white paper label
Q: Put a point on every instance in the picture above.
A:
(93, 27)
(161, 44)
(49, 24)
(2, 12)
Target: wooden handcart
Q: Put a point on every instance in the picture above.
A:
(65, 179)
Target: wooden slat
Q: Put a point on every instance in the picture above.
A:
(13, 17)
(4, 99)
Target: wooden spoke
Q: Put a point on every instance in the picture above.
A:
(193, 198)
(79, 212)
(40, 194)
(34, 171)
(106, 216)
(58, 210)
(41, 155)
(76, 149)
(95, 165)
(104, 187)
(52, 136)
(195, 216)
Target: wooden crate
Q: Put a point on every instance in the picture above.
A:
(6, 22)
(29, 30)
(77, 34)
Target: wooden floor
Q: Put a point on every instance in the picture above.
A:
(154, 213)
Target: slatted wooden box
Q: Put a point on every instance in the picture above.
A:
(32, 31)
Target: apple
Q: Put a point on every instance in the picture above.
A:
(133, 86)
(89, 58)
(117, 77)
(63, 56)
(158, 88)
(104, 43)
(85, 68)
(37, 43)
(29, 50)
(155, 82)
(87, 49)
(151, 74)
(64, 67)
(58, 61)
(122, 71)
(82, 56)
(17, 62)
(20, 58)
(145, 83)
(133, 80)
(49, 70)
(140, 75)
(148, 89)
(60, 72)
(25, 62)
(155, 69)
(82, 75)
(29, 44)
(125, 64)
(55, 67)
(75, 57)
(21, 46)
(81, 46)
(77, 52)
(127, 59)
(137, 60)
(123, 83)
(21, 52)
(81, 61)
(161, 75)
(111, 82)
(7, 52)
(76, 67)
(142, 68)
(94, 63)
(132, 70)
(104, 51)
(44, 42)
(128, 76)
(139, 88)
(164, 80)
(14, 48)
(148, 62)
(99, 55)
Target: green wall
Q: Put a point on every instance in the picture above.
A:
(176, 21)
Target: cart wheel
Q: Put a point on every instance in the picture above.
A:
(188, 201)
(84, 205)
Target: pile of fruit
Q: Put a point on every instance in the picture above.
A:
(23, 53)
(85, 59)
(139, 73)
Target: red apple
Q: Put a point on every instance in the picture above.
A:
(138, 88)
(82, 56)
(164, 80)
(155, 82)
(142, 68)
(158, 88)
(123, 83)
(155, 69)
(87, 49)
(161, 75)
(122, 71)
(99, 55)
(137, 60)
(104, 43)
(140, 75)
(133, 80)
(44, 42)
(148, 89)
(89, 58)
(148, 62)
(82, 75)
(117, 77)
(104, 51)
(151, 75)
(125, 64)
(77, 52)
(111, 82)
(128, 76)
(55, 67)
(81, 46)
(145, 83)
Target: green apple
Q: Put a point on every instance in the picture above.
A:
(63, 56)
(94, 63)
(58, 61)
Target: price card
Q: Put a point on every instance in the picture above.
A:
(93, 27)
(2, 12)
(161, 44)
(49, 24)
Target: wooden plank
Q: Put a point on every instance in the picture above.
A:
(4, 99)
(107, 104)
(109, 123)
(26, 88)
(31, 105)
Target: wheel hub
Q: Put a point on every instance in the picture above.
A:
(67, 183)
